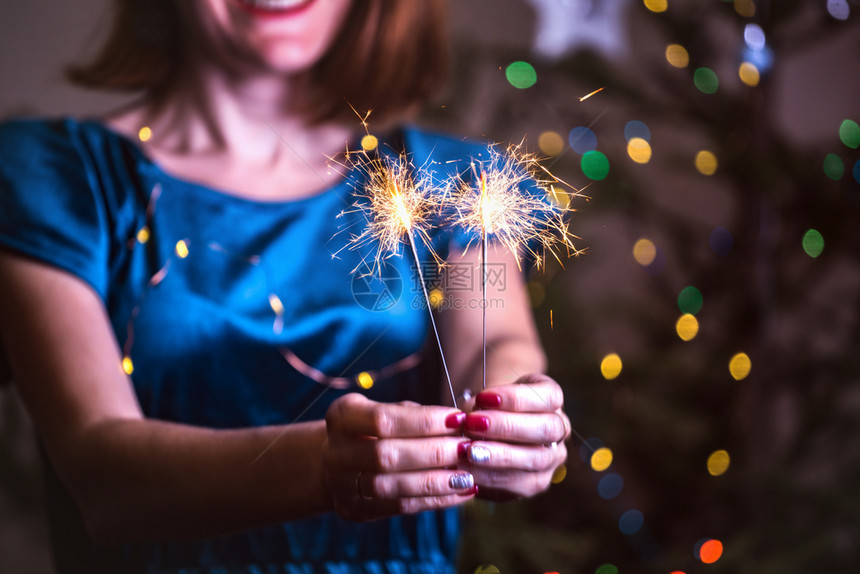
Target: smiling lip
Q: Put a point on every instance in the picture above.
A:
(274, 8)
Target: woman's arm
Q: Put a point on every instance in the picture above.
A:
(135, 478)
(517, 425)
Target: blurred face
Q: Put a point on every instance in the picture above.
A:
(281, 36)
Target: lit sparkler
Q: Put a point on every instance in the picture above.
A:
(398, 208)
(524, 222)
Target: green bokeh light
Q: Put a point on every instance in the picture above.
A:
(813, 243)
(849, 133)
(833, 167)
(690, 300)
(594, 165)
(607, 569)
(521, 75)
(706, 80)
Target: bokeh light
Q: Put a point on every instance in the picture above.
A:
(537, 293)
(639, 150)
(677, 55)
(754, 37)
(521, 75)
(740, 366)
(143, 234)
(276, 304)
(437, 297)
(849, 133)
(181, 249)
(813, 243)
(631, 522)
(690, 300)
(594, 165)
(369, 142)
(551, 143)
(582, 140)
(745, 8)
(364, 380)
(601, 459)
(637, 129)
(706, 162)
(721, 240)
(833, 167)
(610, 366)
(559, 196)
(839, 9)
(687, 327)
(559, 474)
(610, 486)
(749, 74)
(606, 569)
(587, 448)
(490, 569)
(857, 171)
(644, 252)
(718, 462)
(706, 81)
(127, 365)
(710, 551)
(144, 134)
(656, 5)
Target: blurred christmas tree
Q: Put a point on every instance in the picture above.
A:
(708, 339)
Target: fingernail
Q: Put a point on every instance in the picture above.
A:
(463, 449)
(461, 481)
(477, 423)
(487, 400)
(470, 492)
(478, 453)
(455, 420)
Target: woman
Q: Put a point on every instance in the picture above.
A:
(188, 347)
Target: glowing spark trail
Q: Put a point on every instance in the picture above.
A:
(586, 96)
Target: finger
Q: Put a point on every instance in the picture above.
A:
(356, 414)
(525, 428)
(393, 455)
(517, 483)
(393, 486)
(529, 394)
(503, 456)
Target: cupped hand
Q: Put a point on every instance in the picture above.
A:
(517, 432)
(385, 459)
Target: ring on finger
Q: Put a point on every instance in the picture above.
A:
(358, 489)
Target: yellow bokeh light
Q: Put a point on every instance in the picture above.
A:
(551, 143)
(369, 142)
(718, 462)
(687, 327)
(559, 196)
(677, 55)
(437, 297)
(143, 234)
(487, 570)
(144, 134)
(706, 162)
(745, 8)
(656, 5)
(610, 366)
(559, 474)
(127, 365)
(749, 74)
(601, 459)
(181, 249)
(639, 150)
(644, 252)
(276, 304)
(365, 380)
(740, 366)
(537, 293)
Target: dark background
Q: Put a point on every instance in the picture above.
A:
(790, 500)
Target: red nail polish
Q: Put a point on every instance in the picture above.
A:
(470, 492)
(455, 420)
(488, 400)
(477, 423)
(463, 449)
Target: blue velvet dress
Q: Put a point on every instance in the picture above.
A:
(231, 313)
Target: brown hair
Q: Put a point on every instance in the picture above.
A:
(389, 56)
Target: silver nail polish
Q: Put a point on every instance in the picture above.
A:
(461, 481)
(478, 453)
